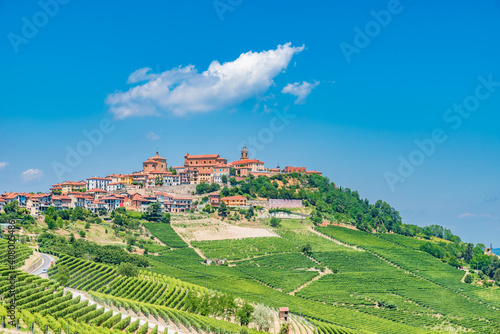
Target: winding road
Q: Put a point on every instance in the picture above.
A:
(46, 260)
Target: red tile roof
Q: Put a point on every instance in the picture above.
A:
(244, 162)
(96, 190)
(234, 198)
(10, 195)
(202, 156)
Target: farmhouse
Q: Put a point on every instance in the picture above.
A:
(283, 313)
(235, 201)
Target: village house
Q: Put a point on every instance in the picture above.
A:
(214, 199)
(98, 183)
(113, 201)
(11, 197)
(115, 186)
(290, 169)
(170, 179)
(2, 204)
(219, 171)
(96, 192)
(184, 177)
(77, 199)
(235, 201)
(175, 203)
(247, 165)
(96, 205)
(201, 167)
(125, 179)
(33, 205)
(284, 314)
(62, 202)
(155, 163)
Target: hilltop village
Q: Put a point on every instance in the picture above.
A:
(156, 182)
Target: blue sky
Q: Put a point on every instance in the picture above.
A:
(370, 79)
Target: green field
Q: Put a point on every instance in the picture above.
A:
(244, 248)
(166, 234)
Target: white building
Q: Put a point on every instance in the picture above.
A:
(113, 186)
(98, 183)
(171, 180)
(219, 171)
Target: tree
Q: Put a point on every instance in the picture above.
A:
(87, 225)
(223, 210)
(244, 314)
(469, 253)
(307, 249)
(232, 171)
(207, 208)
(166, 218)
(496, 276)
(224, 179)
(127, 269)
(285, 328)
(153, 212)
(11, 208)
(233, 181)
(262, 317)
(225, 192)
(60, 222)
(51, 223)
(275, 222)
(454, 262)
(62, 275)
(249, 213)
(82, 233)
(468, 279)
(203, 188)
(480, 262)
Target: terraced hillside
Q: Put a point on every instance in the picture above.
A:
(365, 274)
(21, 254)
(45, 303)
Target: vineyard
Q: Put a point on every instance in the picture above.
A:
(422, 283)
(22, 253)
(166, 234)
(42, 303)
(148, 288)
(237, 249)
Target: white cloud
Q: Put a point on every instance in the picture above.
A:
(300, 90)
(3, 164)
(141, 75)
(32, 175)
(152, 136)
(183, 90)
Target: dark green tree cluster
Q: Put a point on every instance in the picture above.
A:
(210, 304)
(12, 211)
(153, 212)
(89, 250)
(204, 188)
(59, 218)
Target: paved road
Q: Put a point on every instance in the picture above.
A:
(46, 260)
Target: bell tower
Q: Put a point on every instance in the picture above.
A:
(244, 153)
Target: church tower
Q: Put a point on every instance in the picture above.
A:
(244, 153)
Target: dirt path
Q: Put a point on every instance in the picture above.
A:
(315, 278)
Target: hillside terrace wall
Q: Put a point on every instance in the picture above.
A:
(285, 203)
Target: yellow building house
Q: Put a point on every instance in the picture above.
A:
(235, 201)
